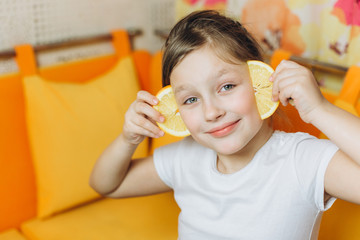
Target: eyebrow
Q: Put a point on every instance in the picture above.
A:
(220, 73)
(180, 89)
(223, 71)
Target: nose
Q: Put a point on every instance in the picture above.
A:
(212, 111)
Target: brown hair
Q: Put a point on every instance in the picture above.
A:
(228, 38)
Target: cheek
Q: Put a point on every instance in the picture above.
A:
(245, 103)
(191, 120)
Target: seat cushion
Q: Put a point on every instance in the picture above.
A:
(11, 234)
(150, 217)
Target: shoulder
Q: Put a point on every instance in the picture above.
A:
(303, 149)
(300, 144)
(284, 137)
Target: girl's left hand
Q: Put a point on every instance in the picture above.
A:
(293, 81)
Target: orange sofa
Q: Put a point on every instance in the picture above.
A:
(45, 198)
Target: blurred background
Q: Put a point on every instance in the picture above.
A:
(61, 104)
(325, 30)
(40, 22)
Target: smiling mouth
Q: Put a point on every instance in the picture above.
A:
(223, 130)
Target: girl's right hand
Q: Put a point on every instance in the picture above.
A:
(141, 118)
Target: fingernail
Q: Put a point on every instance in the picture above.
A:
(162, 119)
(155, 101)
(270, 78)
(161, 134)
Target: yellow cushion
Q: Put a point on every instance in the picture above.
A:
(69, 125)
(150, 218)
(11, 234)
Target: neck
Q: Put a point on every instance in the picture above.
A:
(232, 163)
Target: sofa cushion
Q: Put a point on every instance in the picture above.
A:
(11, 234)
(150, 217)
(69, 125)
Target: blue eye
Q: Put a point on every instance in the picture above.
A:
(190, 100)
(227, 87)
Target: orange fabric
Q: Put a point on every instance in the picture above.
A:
(142, 60)
(80, 71)
(25, 59)
(342, 221)
(330, 95)
(11, 234)
(350, 91)
(121, 43)
(278, 56)
(288, 119)
(17, 180)
(156, 73)
(151, 217)
(19, 183)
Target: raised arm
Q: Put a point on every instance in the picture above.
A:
(115, 174)
(342, 178)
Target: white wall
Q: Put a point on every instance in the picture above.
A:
(47, 21)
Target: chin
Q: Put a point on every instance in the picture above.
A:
(229, 149)
(225, 146)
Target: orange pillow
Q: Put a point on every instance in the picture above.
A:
(69, 125)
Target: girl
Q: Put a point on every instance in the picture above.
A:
(234, 177)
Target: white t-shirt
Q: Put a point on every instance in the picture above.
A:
(278, 195)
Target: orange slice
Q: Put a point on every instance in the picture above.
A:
(260, 73)
(167, 106)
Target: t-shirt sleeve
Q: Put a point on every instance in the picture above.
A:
(164, 161)
(312, 157)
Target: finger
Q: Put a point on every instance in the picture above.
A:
(288, 93)
(275, 79)
(282, 76)
(132, 119)
(287, 85)
(284, 64)
(286, 79)
(147, 97)
(148, 111)
(148, 126)
(139, 130)
(275, 88)
(284, 67)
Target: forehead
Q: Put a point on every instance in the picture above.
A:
(204, 64)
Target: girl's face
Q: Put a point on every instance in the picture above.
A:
(216, 101)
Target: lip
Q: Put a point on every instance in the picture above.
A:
(223, 130)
